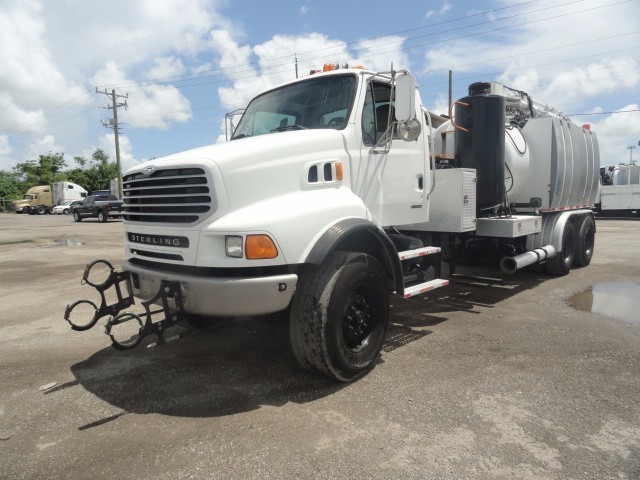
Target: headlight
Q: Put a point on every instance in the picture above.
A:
(233, 246)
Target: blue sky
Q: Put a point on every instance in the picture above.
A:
(184, 63)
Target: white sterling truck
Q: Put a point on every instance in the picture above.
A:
(339, 190)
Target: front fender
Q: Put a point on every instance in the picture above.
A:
(357, 234)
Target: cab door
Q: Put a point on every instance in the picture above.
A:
(390, 181)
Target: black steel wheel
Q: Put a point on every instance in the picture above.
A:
(76, 217)
(563, 261)
(339, 316)
(585, 242)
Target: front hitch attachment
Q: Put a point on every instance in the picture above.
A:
(119, 327)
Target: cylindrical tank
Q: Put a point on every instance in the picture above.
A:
(516, 160)
(479, 138)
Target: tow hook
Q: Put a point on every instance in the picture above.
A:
(126, 329)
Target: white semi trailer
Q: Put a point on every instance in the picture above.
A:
(339, 190)
(619, 193)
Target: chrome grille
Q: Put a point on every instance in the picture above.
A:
(173, 195)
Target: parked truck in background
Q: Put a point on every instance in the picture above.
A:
(619, 192)
(339, 190)
(100, 206)
(42, 198)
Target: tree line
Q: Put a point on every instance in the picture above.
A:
(92, 174)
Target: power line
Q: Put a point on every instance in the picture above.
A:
(287, 64)
(602, 113)
(220, 71)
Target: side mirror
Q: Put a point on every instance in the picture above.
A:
(405, 98)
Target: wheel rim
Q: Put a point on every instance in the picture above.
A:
(590, 241)
(358, 321)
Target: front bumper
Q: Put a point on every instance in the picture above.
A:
(219, 296)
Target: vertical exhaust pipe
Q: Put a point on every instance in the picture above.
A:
(513, 264)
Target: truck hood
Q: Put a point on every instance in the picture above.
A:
(258, 168)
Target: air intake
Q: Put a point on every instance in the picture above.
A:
(174, 195)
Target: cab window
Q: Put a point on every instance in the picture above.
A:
(375, 115)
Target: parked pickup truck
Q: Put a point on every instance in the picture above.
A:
(101, 207)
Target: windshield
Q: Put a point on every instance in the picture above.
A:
(322, 102)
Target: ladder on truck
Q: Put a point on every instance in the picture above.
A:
(418, 273)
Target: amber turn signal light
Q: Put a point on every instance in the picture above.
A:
(260, 247)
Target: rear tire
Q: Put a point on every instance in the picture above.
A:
(339, 316)
(77, 217)
(66, 211)
(585, 242)
(41, 210)
(102, 217)
(562, 262)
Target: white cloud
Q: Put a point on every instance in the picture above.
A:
(6, 160)
(129, 31)
(43, 146)
(273, 62)
(378, 54)
(234, 59)
(444, 8)
(615, 133)
(108, 145)
(149, 106)
(50, 49)
(305, 8)
(556, 60)
(166, 67)
(30, 79)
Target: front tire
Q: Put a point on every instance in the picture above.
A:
(339, 316)
(77, 217)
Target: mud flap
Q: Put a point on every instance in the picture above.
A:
(162, 311)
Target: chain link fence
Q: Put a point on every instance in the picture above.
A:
(6, 205)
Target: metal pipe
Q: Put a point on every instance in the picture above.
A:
(512, 264)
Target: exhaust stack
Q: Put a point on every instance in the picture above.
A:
(512, 264)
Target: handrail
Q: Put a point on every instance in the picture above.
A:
(453, 123)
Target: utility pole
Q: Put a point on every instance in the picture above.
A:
(113, 123)
(631, 148)
(450, 88)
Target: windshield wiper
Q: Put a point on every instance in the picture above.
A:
(284, 128)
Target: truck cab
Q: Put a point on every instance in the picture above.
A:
(307, 159)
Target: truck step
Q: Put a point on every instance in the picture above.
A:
(418, 252)
(424, 287)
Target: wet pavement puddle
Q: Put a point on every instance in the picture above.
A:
(48, 242)
(615, 300)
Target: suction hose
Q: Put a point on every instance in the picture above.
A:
(513, 264)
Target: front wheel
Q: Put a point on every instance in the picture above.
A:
(77, 217)
(339, 316)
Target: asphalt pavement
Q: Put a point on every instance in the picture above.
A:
(482, 379)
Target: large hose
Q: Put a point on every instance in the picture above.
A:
(512, 264)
